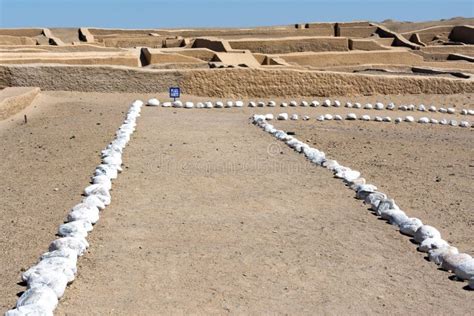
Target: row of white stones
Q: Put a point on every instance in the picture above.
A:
(326, 103)
(47, 280)
(353, 117)
(428, 237)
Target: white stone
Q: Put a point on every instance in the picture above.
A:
(368, 106)
(327, 103)
(432, 243)
(465, 270)
(55, 281)
(349, 105)
(293, 103)
(464, 124)
(284, 104)
(421, 108)
(453, 123)
(432, 108)
(83, 212)
(387, 119)
(351, 117)
(410, 226)
(425, 232)
(436, 255)
(294, 117)
(239, 104)
(378, 119)
(305, 118)
(272, 104)
(189, 105)
(451, 110)
(199, 105)
(379, 106)
(269, 117)
(78, 228)
(337, 103)
(357, 105)
(177, 104)
(403, 108)
(443, 110)
(153, 102)
(337, 117)
(314, 104)
(282, 117)
(411, 107)
(252, 104)
(29, 310)
(219, 105)
(365, 117)
(304, 103)
(451, 261)
(79, 245)
(42, 296)
(444, 122)
(328, 117)
(434, 121)
(321, 118)
(463, 112)
(391, 106)
(208, 105)
(423, 120)
(409, 119)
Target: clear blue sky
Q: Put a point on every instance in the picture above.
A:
(203, 13)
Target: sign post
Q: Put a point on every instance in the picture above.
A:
(175, 92)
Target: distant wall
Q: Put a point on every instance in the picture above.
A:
(216, 45)
(464, 34)
(446, 49)
(429, 34)
(21, 32)
(353, 58)
(224, 82)
(130, 59)
(291, 44)
(129, 42)
(158, 57)
(16, 40)
(365, 44)
(322, 29)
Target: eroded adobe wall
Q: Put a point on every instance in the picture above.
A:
(464, 34)
(353, 58)
(292, 44)
(13, 100)
(224, 82)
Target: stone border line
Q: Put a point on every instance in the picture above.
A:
(427, 237)
(47, 280)
(386, 119)
(326, 103)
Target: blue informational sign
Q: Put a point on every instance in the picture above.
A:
(175, 92)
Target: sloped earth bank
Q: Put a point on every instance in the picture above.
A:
(213, 216)
(209, 216)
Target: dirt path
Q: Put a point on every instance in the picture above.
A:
(205, 220)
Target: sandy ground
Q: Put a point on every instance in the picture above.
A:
(212, 215)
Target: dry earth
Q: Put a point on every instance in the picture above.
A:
(211, 215)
